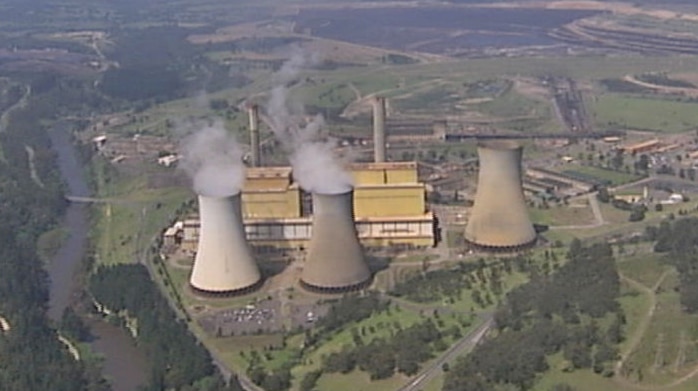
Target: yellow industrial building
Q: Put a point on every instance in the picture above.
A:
(389, 208)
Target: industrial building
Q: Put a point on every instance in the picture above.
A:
(499, 218)
(389, 203)
(389, 209)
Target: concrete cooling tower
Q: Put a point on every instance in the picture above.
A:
(224, 263)
(335, 260)
(499, 219)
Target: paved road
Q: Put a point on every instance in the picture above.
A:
(94, 200)
(468, 341)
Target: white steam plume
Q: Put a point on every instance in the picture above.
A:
(213, 159)
(315, 165)
(282, 112)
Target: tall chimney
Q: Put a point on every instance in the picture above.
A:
(253, 115)
(223, 262)
(499, 218)
(335, 261)
(379, 129)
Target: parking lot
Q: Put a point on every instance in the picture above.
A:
(261, 318)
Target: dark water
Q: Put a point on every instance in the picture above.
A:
(64, 263)
(124, 365)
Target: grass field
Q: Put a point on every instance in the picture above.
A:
(123, 229)
(620, 111)
(608, 176)
(562, 215)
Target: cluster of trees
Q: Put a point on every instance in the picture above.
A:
(154, 63)
(679, 240)
(178, 359)
(483, 280)
(350, 309)
(403, 351)
(550, 314)
(277, 380)
(32, 356)
(624, 86)
(637, 211)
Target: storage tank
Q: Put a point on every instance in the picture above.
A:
(335, 260)
(224, 263)
(499, 218)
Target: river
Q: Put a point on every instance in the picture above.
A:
(124, 365)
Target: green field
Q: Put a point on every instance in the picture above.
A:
(607, 176)
(620, 111)
(562, 215)
(127, 225)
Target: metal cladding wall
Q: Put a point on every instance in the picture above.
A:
(499, 218)
(272, 204)
(335, 260)
(224, 261)
(379, 129)
(389, 200)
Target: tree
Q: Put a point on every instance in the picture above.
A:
(603, 195)
(310, 380)
(643, 163)
(637, 214)
(617, 160)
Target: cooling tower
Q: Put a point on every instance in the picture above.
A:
(499, 219)
(379, 129)
(224, 262)
(335, 260)
(253, 115)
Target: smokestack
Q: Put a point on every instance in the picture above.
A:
(253, 115)
(224, 262)
(335, 260)
(499, 219)
(379, 129)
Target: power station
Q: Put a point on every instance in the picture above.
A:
(386, 208)
(335, 260)
(499, 219)
(224, 263)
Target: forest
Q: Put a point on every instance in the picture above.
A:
(179, 361)
(679, 241)
(31, 356)
(561, 312)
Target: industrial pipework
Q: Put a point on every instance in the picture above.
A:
(499, 219)
(335, 260)
(379, 149)
(224, 263)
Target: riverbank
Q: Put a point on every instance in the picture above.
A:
(124, 365)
